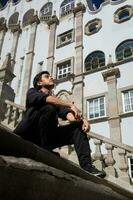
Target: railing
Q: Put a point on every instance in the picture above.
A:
(13, 115)
(107, 154)
(115, 158)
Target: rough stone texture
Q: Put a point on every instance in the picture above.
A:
(50, 178)
(29, 61)
(110, 76)
(6, 92)
(50, 60)
(29, 180)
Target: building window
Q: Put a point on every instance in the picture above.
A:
(65, 38)
(28, 17)
(15, 2)
(40, 66)
(94, 61)
(13, 20)
(20, 74)
(123, 14)
(66, 7)
(128, 101)
(130, 164)
(93, 26)
(124, 50)
(3, 4)
(63, 69)
(94, 4)
(46, 11)
(96, 108)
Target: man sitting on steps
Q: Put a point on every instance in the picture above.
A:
(40, 122)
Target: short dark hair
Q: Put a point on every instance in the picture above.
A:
(38, 78)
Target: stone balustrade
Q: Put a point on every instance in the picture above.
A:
(13, 115)
(113, 158)
(107, 154)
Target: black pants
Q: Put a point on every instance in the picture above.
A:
(52, 136)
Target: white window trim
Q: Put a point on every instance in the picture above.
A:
(60, 62)
(88, 113)
(123, 101)
(61, 70)
(65, 12)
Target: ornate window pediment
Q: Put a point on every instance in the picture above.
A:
(124, 50)
(28, 17)
(123, 14)
(93, 26)
(95, 61)
(46, 11)
(13, 20)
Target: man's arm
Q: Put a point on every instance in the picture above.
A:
(85, 126)
(58, 102)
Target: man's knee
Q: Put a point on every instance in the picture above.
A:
(48, 109)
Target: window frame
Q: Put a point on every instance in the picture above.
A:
(88, 107)
(120, 10)
(71, 59)
(45, 16)
(123, 102)
(59, 43)
(100, 66)
(95, 21)
(120, 50)
(66, 65)
(66, 12)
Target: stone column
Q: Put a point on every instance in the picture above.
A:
(3, 30)
(110, 76)
(29, 59)
(6, 92)
(78, 68)
(52, 23)
(15, 29)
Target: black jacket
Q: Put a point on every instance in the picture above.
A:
(35, 100)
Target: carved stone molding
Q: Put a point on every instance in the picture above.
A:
(53, 20)
(80, 7)
(111, 72)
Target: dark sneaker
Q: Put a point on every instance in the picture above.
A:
(93, 170)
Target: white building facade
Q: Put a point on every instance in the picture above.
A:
(88, 49)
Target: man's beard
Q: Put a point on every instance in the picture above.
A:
(48, 86)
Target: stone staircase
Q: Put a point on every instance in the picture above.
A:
(113, 160)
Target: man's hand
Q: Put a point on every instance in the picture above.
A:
(70, 117)
(86, 125)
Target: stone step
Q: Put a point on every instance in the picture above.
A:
(12, 145)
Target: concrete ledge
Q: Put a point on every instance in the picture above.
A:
(25, 178)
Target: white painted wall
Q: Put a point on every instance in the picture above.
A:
(127, 130)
